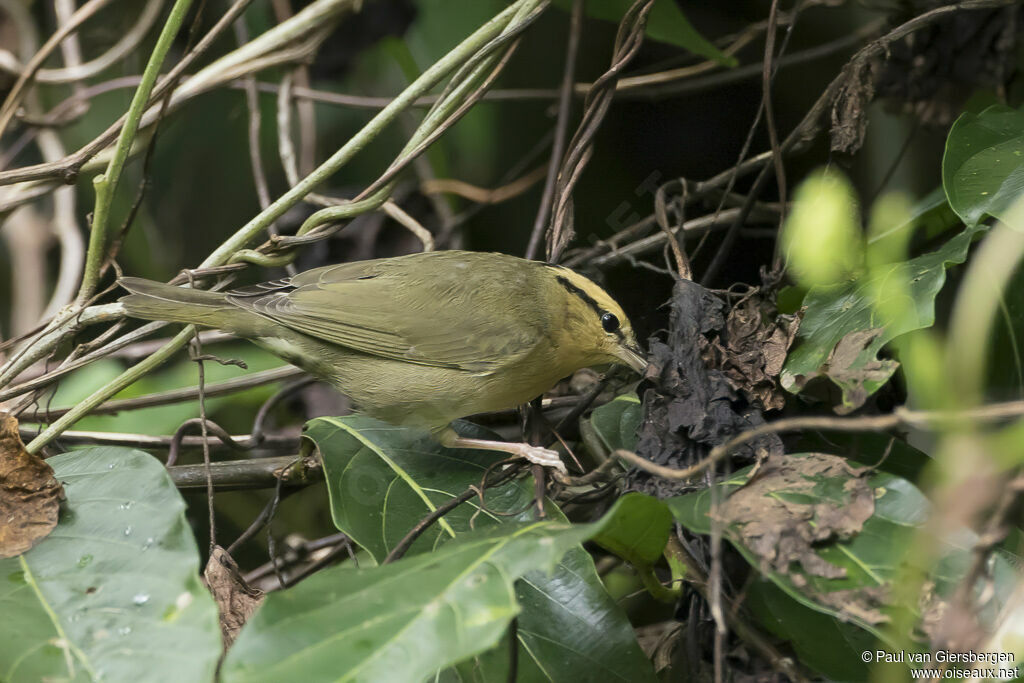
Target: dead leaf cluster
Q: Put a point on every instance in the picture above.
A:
(695, 406)
(782, 532)
(751, 349)
(934, 70)
(771, 516)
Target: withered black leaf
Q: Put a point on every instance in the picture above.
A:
(695, 405)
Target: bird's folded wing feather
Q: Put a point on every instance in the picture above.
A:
(385, 311)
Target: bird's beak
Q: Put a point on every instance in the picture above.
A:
(633, 357)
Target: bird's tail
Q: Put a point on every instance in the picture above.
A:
(151, 300)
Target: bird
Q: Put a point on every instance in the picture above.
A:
(423, 339)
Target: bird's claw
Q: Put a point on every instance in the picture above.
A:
(544, 457)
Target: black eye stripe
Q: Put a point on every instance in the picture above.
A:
(573, 289)
(587, 299)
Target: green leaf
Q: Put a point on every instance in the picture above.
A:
(569, 629)
(406, 620)
(930, 217)
(114, 590)
(617, 422)
(983, 166)
(848, 313)
(875, 557)
(639, 533)
(666, 23)
(825, 644)
(383, 480)
(903, 460)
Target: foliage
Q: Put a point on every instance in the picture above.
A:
(115, 588)
(983, 169)
(409, 619)
(845, 325)
(846, 579)
(666, 23)
(382, 481)
(874, 513)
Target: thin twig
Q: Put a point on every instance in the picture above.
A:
(483, 195)
(77, 73)
(806, 129)
(440, 511)
(307, 113)
(767, 76)
(900, 417)
(106, 183)
(627, 43)
(17, 91)
(206, 441)
(265, 517)
(252, 103)
(225, 388)
(697, 578)
(561, 129)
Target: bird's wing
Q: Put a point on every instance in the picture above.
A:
(386, 309)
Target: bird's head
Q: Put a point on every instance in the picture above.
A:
(594, 326)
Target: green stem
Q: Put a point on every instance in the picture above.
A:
(371, 130)
(459, 55)
(106, 182)
(658, 591)
(66, 325)
(435, 118)
(123, 380)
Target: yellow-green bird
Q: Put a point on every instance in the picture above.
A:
(423, 339)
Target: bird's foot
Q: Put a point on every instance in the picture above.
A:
(536, 454)
(543, 457)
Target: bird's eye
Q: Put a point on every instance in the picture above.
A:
(609, 322)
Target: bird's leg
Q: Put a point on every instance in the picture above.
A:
(535, 454)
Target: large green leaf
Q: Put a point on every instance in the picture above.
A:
(406, 620)
(849, 313)
(383, 480)
(821, 642)
(568, 629)
(617, 422)
(870, 561)
(666, 23)
(983, 166)
(113, 593)
(639, 533)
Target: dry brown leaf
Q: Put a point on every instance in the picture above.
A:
(844, 369)
(752, 349)
(863, 603)
(850, 108)
(782, 532)
(30, 494)
(236, 601)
